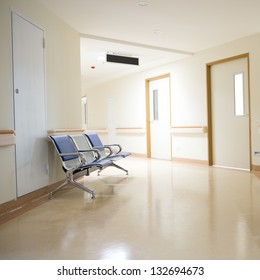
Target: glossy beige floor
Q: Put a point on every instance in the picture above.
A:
(161, 210)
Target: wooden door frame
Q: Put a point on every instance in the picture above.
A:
(147, 104)
(209, 104)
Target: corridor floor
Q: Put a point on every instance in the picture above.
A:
(161, 210)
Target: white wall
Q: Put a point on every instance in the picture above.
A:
(63, 87)
(188, 99)
(129, 104)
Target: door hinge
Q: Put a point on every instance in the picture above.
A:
(43, 43)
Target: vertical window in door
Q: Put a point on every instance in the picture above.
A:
(84, 111)
(239, 96)
(155, 105)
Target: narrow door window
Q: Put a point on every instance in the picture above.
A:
(239, 97)
(84, 111)
(155, 105)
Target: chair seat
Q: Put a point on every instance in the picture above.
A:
(115, 150)
(101, 163)
(121, 154)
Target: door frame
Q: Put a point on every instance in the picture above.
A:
(147, 104)
(209, 105)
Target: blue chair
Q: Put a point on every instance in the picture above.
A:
(114, 150)
(75, 164)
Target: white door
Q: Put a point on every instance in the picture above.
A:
(160, 124)
(29, 106)
(230, 114)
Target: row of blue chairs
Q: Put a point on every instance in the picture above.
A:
(82, 154)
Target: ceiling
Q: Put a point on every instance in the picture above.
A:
(155, 31)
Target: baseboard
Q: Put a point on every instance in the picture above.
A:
(139, 155)
(190, 161)
(13, 208)
(256, 168)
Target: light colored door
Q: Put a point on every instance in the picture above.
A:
(160, 124)
(29, 106)
(230, 114)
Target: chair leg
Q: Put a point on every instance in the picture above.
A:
(58, 188)
(71, 181)
(84, 188)
(116, 166)
(120, 167)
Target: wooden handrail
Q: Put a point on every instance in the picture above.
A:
(98, 130)
(119, 130)
(189, 129)
(130, 130)
(7, 138)
(65, 130)
(123, 128)
(189, 126)
(7, 132)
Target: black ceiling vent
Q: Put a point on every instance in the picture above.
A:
(122, 59)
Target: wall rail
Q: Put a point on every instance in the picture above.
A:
(189, 129)
(119, 130)
(7, 138)
(65, 131)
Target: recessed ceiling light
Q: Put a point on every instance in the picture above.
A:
(142, 4)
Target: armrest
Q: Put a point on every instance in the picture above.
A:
(79, 155)
(68, 154)
(115, 145)
(110, 151)
(95, 151)
(81, 161)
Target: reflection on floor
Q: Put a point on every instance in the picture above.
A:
(161, 210)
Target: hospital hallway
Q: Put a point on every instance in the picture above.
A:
(161, 210)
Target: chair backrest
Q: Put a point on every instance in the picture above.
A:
(64, 145)
(95, 142)
(81, 142)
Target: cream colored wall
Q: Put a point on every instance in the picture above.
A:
(188, 99)
(128, 95)
(63, 89)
